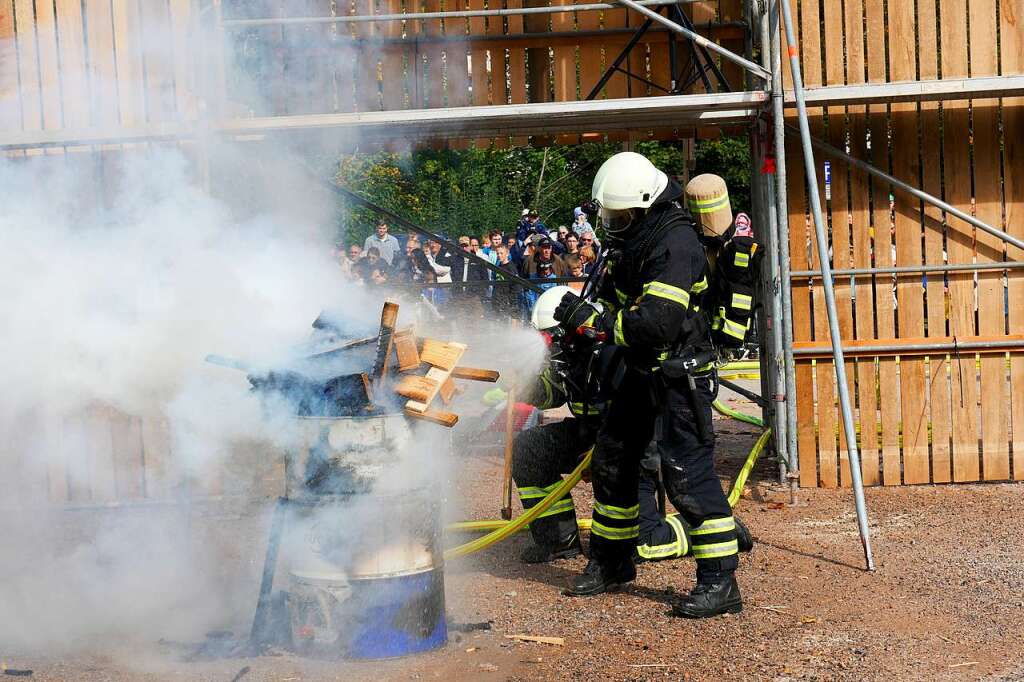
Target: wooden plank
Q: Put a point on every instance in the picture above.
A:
(621, 85)
(590, 54)
(934, 254)
(388, 319)
(956, 164)
(157, 63)
(442, 354)
(56, 462)
(797, 203)
(367, 76)
(129, 64)
(416, 388)
(448, 390)
(475, 374)
(479, 76)
(161, 476)
(885, 303)
(10, 104)
(102, 87)
(448, 419)
(49, 66)
(406, 350)
(732, 10)
(126, 446)
(837, 207)
(27, 61)
(995, 397)
(73, 70)
(439, 375)
(1012, 61)
(909, 292)
(182, 59)
(866, 373)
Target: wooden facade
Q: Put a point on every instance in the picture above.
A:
(922, 418)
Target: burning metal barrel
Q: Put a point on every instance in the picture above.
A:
(366, 569)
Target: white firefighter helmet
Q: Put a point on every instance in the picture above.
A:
(626, 181)
(543, 315)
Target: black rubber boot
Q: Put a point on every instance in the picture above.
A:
(711, 599)
(600, 577)
(542, 554)
(744, 539)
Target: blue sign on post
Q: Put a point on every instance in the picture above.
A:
(828, 181)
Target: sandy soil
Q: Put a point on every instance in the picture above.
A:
(945, 603)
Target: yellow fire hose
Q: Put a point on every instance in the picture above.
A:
(501, 529)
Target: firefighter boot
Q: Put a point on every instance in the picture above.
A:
(711, 599)
(601, 577)
(542, 554)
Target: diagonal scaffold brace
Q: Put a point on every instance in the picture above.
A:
(849, 430)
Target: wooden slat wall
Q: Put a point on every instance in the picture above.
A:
(921, 419)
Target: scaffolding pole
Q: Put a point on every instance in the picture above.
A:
(697, 38)
(455, 14)
(849, 427)
(914, 269)
(782, 213)
(775, 396)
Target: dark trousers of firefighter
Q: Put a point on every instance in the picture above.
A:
(539, 458)
(687, 465)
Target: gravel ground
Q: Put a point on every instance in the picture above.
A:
(945, 603)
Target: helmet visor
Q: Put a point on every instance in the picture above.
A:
(616, 221)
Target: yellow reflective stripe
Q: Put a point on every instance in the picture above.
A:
(715, 526)
(560, 507)
(530, 493)
(577, 409)
(733, 329)
(657, 551)
(613, 512)
(549, 391)
(742, 301)
(716, 550)
(741, 260)
(668, 292)
(700, 286)
(606, 304)
(709, 205)
(620, 338)
(622, 296)
(609, 533)
(682, 544)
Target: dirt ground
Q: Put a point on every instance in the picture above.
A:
(946, 601)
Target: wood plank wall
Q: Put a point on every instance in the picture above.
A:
(921, 418)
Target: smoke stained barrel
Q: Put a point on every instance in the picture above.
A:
(365, 555)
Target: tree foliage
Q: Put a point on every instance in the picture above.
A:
(471, 191)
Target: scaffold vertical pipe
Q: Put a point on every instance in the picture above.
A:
(830, 298)
(782, 217)
(776, 384)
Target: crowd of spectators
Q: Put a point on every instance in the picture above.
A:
(529, 250)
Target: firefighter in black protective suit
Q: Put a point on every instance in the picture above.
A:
(651, 292)
(576, 371)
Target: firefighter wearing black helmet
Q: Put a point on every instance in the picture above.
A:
(651, 292)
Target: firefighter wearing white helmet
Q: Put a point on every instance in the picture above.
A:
(543, 454)
(651, 291)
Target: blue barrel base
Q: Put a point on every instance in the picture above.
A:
(397, 616)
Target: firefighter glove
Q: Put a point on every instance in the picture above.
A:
(573, 312)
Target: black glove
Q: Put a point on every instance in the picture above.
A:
(573, 311)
